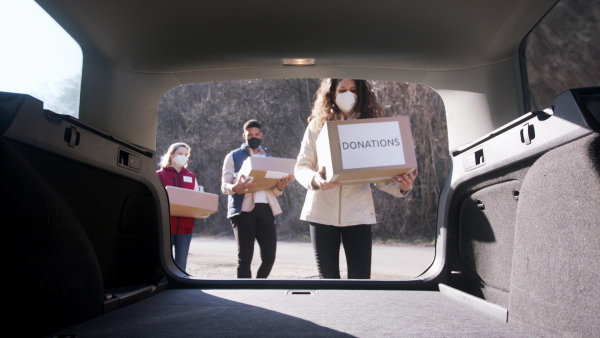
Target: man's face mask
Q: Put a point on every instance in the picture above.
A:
(254, 142)
(345, 101)
(180, 160)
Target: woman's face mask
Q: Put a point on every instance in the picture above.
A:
(180, 160)
(345, 101)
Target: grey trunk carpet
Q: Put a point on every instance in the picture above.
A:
(277, 313)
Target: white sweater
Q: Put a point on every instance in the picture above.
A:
(345, 205)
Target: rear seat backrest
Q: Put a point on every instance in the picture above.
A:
(554, 282)
(52, 268)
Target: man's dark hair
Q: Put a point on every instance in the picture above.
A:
(251, 124)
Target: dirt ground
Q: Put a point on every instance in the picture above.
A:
(211, 258)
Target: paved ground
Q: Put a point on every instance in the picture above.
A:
(217, 259)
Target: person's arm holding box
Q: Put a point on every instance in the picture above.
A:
(306, 161)
(306, 171)
(281, 184)
(227, 178)
(400, 185)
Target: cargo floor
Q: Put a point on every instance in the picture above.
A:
(283, 313)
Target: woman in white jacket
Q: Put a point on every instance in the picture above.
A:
(341, 214)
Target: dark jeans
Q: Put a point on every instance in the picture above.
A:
(181, 246)
(326, 241)
(259, 225)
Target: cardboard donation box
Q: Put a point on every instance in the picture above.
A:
(366, 150)
(265, 171)
(189, 203)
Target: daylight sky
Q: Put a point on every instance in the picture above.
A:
(36, 53)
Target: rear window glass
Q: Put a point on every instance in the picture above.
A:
(38, 57)
(563, 51)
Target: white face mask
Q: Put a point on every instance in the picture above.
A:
(345, 101)
(180, 160)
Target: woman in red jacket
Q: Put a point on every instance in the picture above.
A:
(174, 172)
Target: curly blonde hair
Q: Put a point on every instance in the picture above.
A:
(325, 109)
(165, 159)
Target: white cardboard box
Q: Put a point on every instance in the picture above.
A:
(366, 150)
(265, 171)
(190, 203)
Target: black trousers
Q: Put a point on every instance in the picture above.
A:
(357, 243)
(259, 225)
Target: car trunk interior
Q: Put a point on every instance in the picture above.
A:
(516, 256)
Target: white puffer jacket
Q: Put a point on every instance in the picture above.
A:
(342, 206)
